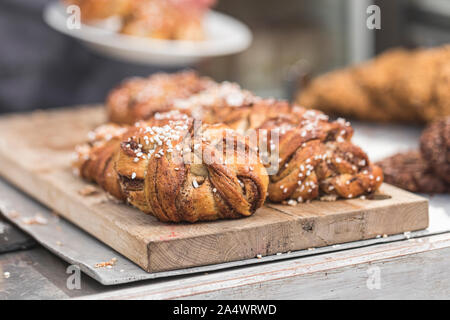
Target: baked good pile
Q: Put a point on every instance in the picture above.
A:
(186, 148)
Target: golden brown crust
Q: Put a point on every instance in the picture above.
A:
(160, 19)
(95, 159)
(301, 132)
(441, 94)
(315, 155)
(222, 102)
(398, 85)
(140, 98)
(339, 93)
(377, 79)
(316, 158)
(150, 168)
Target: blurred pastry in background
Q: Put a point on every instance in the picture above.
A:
(166, 19)
(435, 147)
(397, 86)
(426, 170)
(410, 171)
(161, 19)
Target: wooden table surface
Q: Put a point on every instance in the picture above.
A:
(415, 268)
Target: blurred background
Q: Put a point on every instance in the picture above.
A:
(41, 68)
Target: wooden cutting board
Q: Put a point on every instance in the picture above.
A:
(35, 155)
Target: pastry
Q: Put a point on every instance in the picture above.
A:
(398, 85)
(435, 148)
(410, 171)
(165, 19)
(309, 143)
(338, 93)
(317, 159)
(160, 19)
(292, 153)
(139, 98)
(221, 102)
(169, 168)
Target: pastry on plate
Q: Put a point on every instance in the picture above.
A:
(165, 19)
(159, 19)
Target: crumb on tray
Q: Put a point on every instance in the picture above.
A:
(36, 219)
(107, 264)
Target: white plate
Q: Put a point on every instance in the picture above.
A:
(225, 35)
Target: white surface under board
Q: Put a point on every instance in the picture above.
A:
(383, 140)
